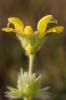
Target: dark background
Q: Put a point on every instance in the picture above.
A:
(50, 60)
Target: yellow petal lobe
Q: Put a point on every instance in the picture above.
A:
(42, 24)
(12, 30)
(28, 30)
(18, 24)
(36, 33)
(7, 29)
(56, 29)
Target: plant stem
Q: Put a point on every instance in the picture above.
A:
(27, 98)
(31, 58)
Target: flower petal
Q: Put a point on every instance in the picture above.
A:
(56, 29)
(42, 24)
(12, 30)
(7, 29)
(28, 31)
(17, 23)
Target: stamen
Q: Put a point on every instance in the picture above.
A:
(8, 24)
(53, 20)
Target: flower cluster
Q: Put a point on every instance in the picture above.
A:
(31, 40)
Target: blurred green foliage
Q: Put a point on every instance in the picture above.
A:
(50, 61)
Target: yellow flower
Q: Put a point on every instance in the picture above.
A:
(30, 39)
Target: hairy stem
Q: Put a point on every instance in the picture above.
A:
(31, 58)
(27, 98)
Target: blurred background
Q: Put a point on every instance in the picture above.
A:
(50, 60)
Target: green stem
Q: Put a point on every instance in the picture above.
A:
(31, 58)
